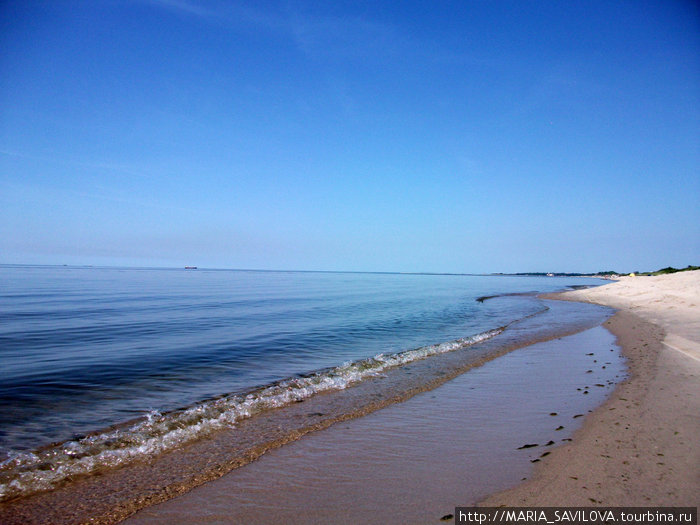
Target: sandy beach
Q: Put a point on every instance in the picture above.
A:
(368, 263)
(560, 421)
(413, 461)
(641, 446)
(363, 462)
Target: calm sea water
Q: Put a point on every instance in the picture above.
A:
(85, 348)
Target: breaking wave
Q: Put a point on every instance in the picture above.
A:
(23, 473)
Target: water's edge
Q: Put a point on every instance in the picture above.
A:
(43, 469)
(117, 493)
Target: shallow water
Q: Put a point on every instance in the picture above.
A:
(83, 349)
(414, 462)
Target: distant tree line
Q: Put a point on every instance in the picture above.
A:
(662, 271)
(670, 269)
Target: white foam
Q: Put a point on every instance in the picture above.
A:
(27, 472)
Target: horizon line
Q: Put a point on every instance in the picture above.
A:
(192, 268)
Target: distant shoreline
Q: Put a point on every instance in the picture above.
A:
(596, 275)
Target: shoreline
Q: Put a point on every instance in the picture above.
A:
(114, 495)
(635, 448)
(639, 448)
(413, 462)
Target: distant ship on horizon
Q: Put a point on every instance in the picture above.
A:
(190, 267)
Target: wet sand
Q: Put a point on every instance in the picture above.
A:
(413, 462)
(114, 494)
(641, 447)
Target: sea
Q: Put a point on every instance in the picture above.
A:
(101, 366)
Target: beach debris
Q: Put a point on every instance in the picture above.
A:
(560, 427)
(529, 445)
(447, 517)
(553, 414)
(578, 415)
(545, 454)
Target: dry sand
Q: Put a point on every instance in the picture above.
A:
(670, 301)
(641, 447)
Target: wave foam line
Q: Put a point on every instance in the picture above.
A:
(26, 472)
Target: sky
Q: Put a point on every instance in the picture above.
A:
(466, 136)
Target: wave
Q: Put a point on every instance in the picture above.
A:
(23, 473)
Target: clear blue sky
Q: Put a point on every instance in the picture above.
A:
(463, 136)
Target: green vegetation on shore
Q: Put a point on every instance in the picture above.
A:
(607, 273)
(670, 269)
